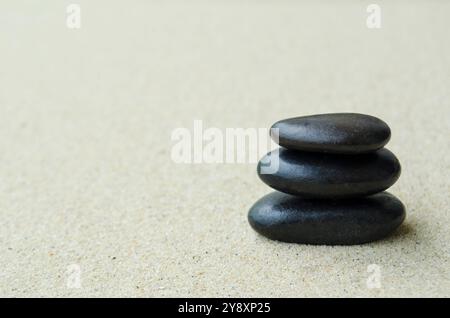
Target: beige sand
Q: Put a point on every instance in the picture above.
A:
(86, 117)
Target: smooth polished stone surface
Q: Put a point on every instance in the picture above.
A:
(318, 175)
(348, 133)
(287, 218)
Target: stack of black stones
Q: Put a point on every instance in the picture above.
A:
(332, 171)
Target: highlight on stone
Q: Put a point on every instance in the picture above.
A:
(332, 174)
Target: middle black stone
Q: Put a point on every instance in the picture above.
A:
(331, 176)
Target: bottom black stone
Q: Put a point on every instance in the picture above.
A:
(288, 218)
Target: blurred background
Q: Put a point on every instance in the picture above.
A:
(89, 193)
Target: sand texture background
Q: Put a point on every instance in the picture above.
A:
(86, 117)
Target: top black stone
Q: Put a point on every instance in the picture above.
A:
(345, 133)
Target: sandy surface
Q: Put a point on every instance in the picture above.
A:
(86, 176)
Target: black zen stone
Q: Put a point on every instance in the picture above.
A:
(330, 176)
(346, 133)
(288, 218)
